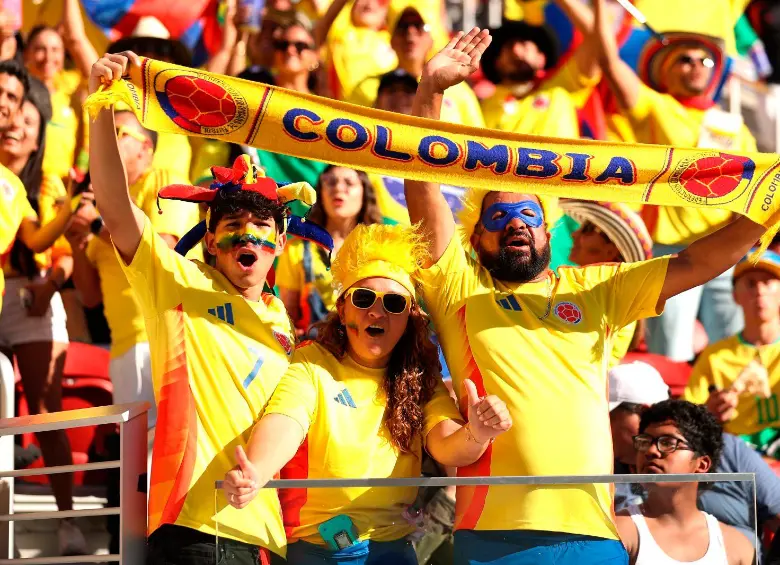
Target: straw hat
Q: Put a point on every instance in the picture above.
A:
(151, 37)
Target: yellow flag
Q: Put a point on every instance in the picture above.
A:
(182, 100)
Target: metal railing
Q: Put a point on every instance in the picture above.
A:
(131, 419)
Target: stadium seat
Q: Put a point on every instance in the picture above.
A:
(85, 384)
(674, 373)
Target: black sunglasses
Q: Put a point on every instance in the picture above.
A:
(688, 60)
(406, 26)
(300, 46)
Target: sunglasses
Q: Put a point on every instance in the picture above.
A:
(393, 302)
(421, 27)
(688, 60)
(300, 46)
(126, 131)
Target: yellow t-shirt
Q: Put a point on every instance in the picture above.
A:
(459, 106)
(14, 209)
(325, 395)
(550, 109)
(552, 374)
(620, 344)
(174, 153)
(216, 360)
(291, 275)
(52, 196)
(660, 119)
(61, 135)
(720, 364)
(355, 53)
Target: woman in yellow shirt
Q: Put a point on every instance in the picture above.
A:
(363, 400)
(32, 322)
(345, 199)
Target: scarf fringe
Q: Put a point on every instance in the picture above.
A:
(106, 98)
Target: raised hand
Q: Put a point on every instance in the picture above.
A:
(488, 416)
(111, 67)
(458, 60)
(241, 483)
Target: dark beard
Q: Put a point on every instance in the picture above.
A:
(522, 73)
(511, 266)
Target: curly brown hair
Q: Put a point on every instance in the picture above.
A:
(369, 209)
(412, 373)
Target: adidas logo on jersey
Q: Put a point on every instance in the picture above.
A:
(224, 312)
(509, 303)
(345, 398)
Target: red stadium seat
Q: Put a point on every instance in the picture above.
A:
(674, 373)
(85, 384)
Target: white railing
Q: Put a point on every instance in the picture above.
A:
(131, 419)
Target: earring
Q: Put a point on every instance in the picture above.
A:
(340, 331)
(314, 67)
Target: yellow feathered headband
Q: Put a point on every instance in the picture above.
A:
(378, 250)
(471, 212)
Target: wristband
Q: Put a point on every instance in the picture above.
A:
(471, 435)
(96, 225)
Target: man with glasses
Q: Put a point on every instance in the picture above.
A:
(678, 437)
(671, 102)
(542, 338)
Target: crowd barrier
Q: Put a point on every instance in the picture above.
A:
(131, 419)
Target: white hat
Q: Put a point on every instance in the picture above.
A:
(637, 383)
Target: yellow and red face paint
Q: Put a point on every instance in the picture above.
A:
(265, 239)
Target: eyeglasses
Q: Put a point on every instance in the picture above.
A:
(300, 46)
(421, 27)
(688, 60)
(664, 444)
(126, 131)
(393, 302)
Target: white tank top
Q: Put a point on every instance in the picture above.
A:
(650, 553)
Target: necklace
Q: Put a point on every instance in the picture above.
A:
(549, 298)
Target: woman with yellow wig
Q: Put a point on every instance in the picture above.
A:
(362, 401)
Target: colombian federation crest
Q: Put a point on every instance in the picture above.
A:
(199, 104)
(712, 178)
(568, 312)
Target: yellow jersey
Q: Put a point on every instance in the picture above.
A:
(53, 195)
(720, 364)
(621, 341)
(216, 360)
(326, 395)
(14, 209)
(312, 283)
(543, 348)
(660, 119)
(173, 153)
(550, 109)
(61, 134)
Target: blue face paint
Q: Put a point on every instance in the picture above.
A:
(498, 215)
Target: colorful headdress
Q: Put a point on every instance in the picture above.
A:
(298, 197)
(624, 227)
(379, 250)
(471, 212)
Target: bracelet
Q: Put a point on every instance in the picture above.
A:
(471, 435)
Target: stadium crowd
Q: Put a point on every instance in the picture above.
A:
(427, 330)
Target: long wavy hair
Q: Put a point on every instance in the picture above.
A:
(411, 377)
(369, 208)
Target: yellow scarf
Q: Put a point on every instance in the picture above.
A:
(182, 100)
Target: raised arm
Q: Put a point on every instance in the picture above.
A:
(450, 66)
(322, 28)
(39, 238)
(587, 54)
(275, 440)
(123, 219)
(708, 257)
(623, 81)
(76, 40)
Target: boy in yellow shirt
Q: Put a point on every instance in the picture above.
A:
(738, 378)
(219, 343)
(510, 324)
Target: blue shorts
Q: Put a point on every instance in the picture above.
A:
(520, 547)
(398, 552)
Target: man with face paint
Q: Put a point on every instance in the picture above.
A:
(510, 324)
(219, 343)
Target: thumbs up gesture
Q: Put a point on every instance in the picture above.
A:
(488, 415)
(241, 483)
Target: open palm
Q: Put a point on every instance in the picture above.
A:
(459, 59)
